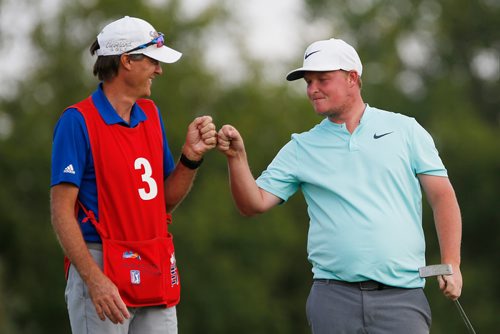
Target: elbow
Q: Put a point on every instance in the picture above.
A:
(250, 206)
(249, 212)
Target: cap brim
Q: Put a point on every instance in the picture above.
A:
(163, 54)
(295, 74)
(299, 72)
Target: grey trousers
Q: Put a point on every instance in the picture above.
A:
(340, 309)
(84, 319)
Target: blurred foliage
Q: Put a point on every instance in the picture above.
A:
(250, 275)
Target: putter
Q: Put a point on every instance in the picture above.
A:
(442, 270)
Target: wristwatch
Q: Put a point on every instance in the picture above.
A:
(191, 164)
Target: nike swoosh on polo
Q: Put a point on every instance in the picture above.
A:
(311, 53)
(375, 136)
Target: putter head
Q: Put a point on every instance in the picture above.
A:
(435, 270)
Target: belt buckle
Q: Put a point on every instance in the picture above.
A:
(370, 286)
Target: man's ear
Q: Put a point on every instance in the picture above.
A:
(353, 78)
(125, 61)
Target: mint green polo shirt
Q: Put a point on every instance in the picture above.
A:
(363, 195)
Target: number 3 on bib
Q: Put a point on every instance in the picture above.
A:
(139, 164)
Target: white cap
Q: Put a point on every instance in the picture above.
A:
(328, 55)
(128, 33)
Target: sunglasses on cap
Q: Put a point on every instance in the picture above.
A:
(159, 41)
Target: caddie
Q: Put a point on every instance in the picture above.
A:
(114, 185)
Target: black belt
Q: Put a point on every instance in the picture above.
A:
(363, 286)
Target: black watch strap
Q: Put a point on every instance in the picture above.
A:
(190, 163)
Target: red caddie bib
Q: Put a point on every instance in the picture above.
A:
(138, 250)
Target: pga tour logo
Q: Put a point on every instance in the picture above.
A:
(135, 277)
(174, 278)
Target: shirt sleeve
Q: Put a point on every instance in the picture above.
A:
(425, 156)
(70, 149)
(280, 178)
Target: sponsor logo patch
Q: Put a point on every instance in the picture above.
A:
(131, 255)
(135, 277)
(174, 278)
(69, 170)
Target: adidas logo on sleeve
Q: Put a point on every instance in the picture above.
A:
(69, 170)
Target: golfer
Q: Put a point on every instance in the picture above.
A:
(361, 170)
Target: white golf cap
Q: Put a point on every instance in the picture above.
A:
(328, 55)
(130, 33)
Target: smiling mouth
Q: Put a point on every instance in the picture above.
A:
(318, 99)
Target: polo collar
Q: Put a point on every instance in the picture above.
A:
(109, 114)
(364, 118)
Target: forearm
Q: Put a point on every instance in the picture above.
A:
(449, 228)
(177, 185)
(76, 250)
(103, 293)
(444, 204)
(247, 195)
(443, 201)
(68, 232)
(200, 138)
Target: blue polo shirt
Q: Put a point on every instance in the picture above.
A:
(363, 195)
(72, 160)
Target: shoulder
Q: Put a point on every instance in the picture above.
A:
(311, 133)
(390, 115)
(388, 119)
(71, 124)
(71, 117)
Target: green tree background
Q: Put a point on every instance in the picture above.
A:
(434, 60)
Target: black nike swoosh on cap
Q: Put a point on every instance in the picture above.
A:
(375, 136)
(311, 53)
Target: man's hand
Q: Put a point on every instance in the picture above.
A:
(451, 285)
(201, 137)
(230, 141)
(106, 298)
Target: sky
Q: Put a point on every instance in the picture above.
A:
(274, 31)
(17, 19)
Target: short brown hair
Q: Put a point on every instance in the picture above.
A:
(105, 67)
